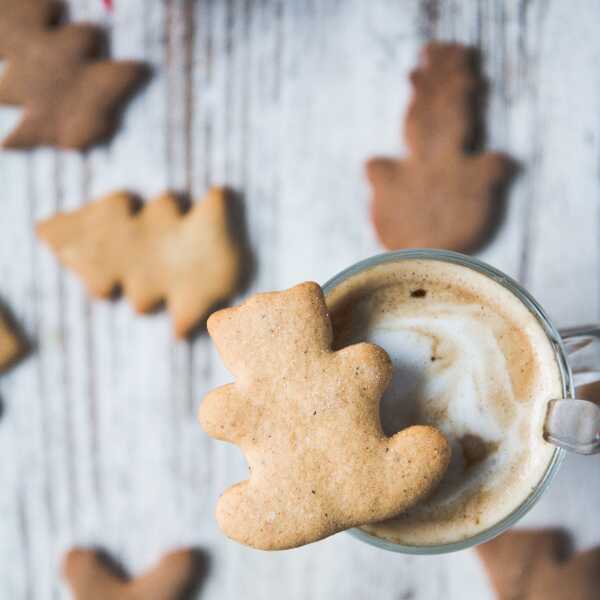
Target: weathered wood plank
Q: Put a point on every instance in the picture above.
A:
(20, 438)
(284, 102)
(131, 353)
(563, 254)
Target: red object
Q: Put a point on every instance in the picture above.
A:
(108, 4)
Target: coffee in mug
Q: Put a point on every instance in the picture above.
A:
(470, 359)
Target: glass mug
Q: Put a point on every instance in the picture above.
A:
(571, 425)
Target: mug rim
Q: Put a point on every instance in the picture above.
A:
(561, 358)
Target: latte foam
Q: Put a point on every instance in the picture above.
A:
(471, 359)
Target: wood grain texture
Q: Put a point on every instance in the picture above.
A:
(283, 101)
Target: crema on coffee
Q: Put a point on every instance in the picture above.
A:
(469, 358)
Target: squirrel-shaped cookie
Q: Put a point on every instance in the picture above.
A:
(307, 420)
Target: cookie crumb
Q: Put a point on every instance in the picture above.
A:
(418, 293)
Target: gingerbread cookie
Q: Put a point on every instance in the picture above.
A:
(12, 344)
(190, 260)
(307, 420)
(70, 97)
(90, 577)
(442, 195)
(535, 565)
(590, 391)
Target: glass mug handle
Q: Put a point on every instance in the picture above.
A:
(574, 425)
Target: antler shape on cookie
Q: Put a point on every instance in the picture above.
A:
(307, 420)
(70, 97)
(91, 578)
(533, 565)
(191, 260)
(442, 194)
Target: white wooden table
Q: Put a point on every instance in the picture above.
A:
(284, 101)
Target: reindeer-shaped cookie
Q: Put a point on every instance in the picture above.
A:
(70, 93)
(190, 260)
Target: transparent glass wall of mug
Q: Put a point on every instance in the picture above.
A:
(575, 424)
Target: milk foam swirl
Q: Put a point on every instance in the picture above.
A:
(450, 369)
